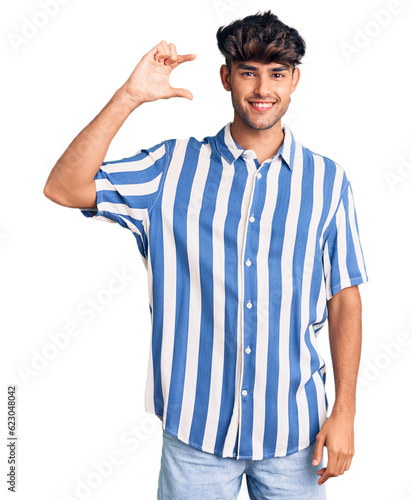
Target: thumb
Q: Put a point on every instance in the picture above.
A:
(317, 454)
(172, 92)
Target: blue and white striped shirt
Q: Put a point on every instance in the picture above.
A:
(241, 260)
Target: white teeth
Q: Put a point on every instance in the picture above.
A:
(262, 105)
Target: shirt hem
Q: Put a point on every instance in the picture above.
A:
(220, 454)
(345, 284)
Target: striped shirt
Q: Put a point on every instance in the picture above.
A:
(241, 259)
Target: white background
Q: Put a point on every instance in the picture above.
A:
(80, 407)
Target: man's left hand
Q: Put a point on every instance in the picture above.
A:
(337, 434)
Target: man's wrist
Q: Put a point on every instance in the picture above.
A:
(344, 408)
(129, 100)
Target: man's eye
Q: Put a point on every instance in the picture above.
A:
(251, 73)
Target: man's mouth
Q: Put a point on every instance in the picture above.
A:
(261, 105)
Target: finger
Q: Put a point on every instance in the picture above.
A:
(325, 476)
(179, 93)
(320, 472)
(345, 467)
(330, 468)
(317, 454)
(185, 57)
(173, 55)
(155, 49)
(343, 461)
(346, 464)
(162, 51)
(341, 464)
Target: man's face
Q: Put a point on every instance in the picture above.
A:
(260, 92)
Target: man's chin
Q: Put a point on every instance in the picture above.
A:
(262, 125)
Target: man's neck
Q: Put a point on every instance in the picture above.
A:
(264, 143)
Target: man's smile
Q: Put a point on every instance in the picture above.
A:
(261, 105)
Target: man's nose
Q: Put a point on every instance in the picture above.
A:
(262, 87)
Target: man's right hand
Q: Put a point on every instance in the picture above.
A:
(71, 182)
(150, 78)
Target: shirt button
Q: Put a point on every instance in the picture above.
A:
(258, 175)
(249, 305)
(252, 219)
(244, 392)
(248, 263)
(248, 350)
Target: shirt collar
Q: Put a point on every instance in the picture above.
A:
(231, 151)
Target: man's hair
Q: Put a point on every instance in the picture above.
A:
(262, 38)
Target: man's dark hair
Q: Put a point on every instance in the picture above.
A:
(262, 38)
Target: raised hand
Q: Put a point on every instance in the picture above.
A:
(150, 78)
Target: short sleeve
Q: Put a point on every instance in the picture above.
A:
(127, 189)
(343, 260)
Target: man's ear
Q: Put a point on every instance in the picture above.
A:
(224, 76)
(295, 80)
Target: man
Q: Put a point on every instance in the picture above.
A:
(251, 243)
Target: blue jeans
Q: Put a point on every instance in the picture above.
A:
(187, 473)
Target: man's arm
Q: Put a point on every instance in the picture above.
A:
(71, 181)
(345, 338)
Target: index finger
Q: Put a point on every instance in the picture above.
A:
(330, 467)
(185, 57)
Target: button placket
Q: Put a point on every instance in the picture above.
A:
(249, 315)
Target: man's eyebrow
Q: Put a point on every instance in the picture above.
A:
(254, 68)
